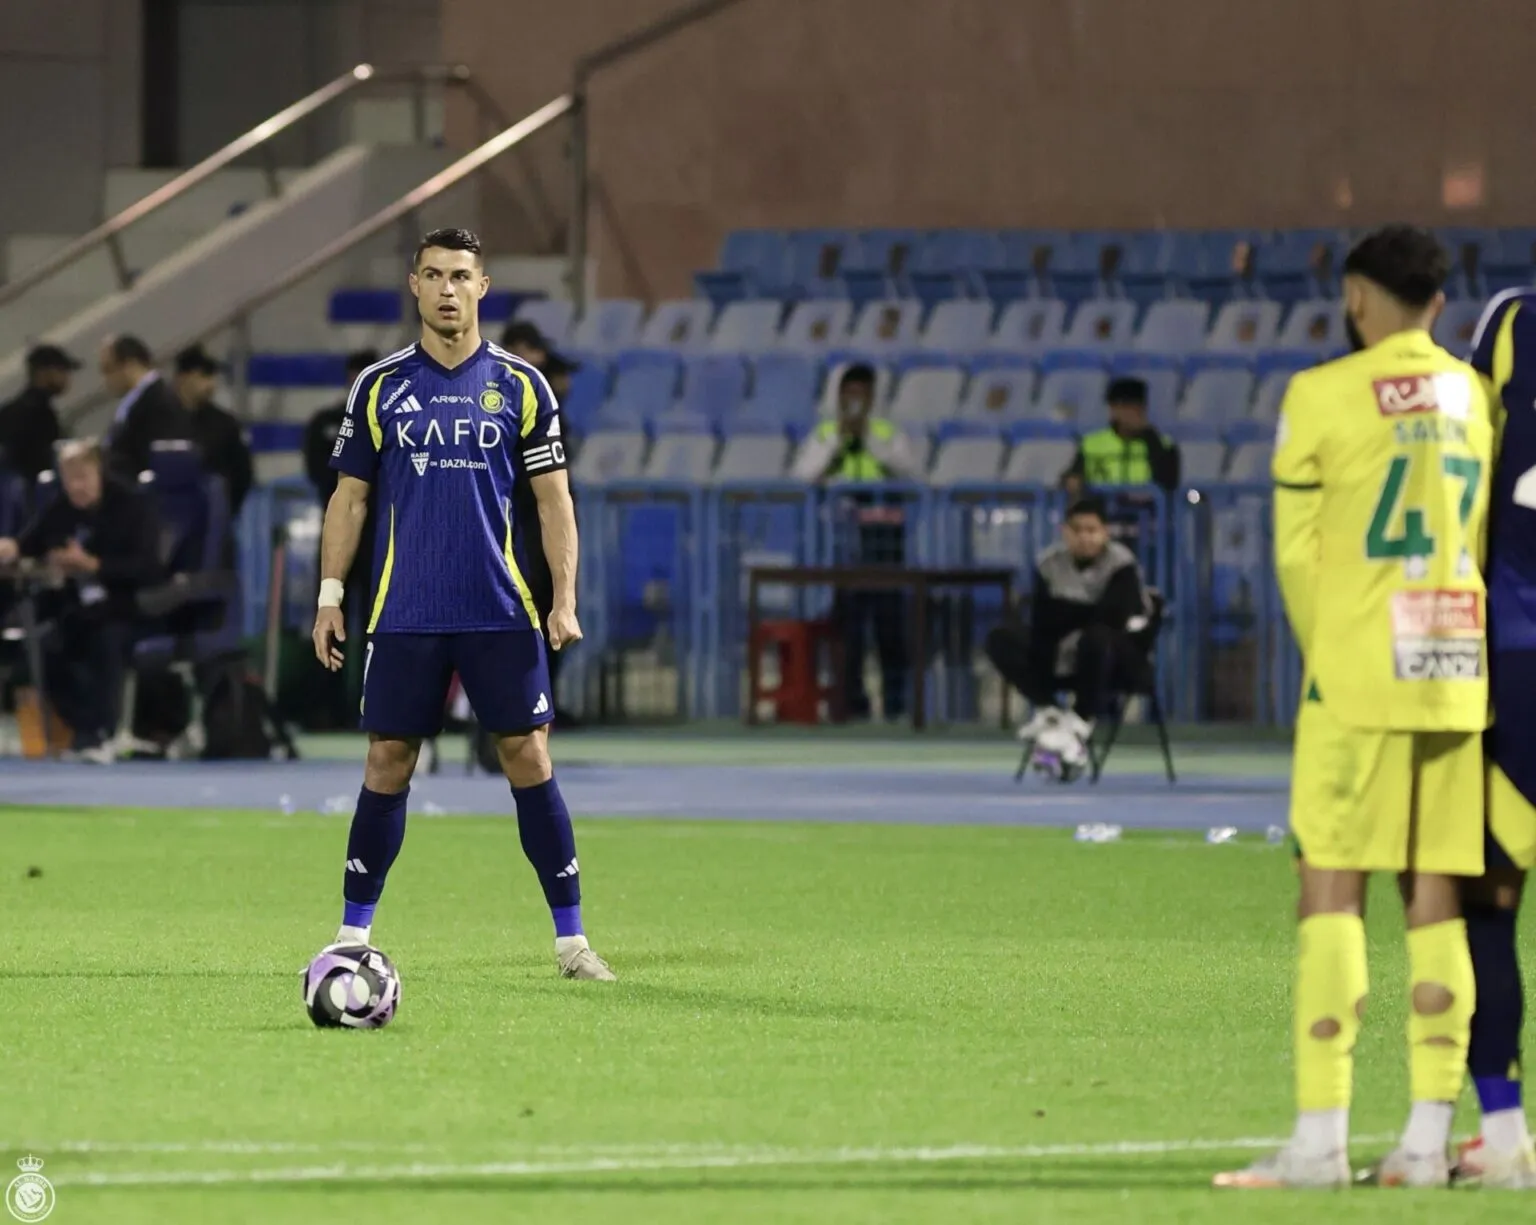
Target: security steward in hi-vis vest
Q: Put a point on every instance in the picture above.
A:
(858, 447)
(1128, 451)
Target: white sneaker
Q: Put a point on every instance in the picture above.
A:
(1289, 1167)
(1512, 1170)
(1042, 720)
(1400, 1168)
(579, 961)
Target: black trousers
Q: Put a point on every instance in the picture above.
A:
(1107, 663)
(884, 614)
(85, 663)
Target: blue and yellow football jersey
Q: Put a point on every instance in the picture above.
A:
(1504, 352)
(446, 450)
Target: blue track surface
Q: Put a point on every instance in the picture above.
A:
(739, 792)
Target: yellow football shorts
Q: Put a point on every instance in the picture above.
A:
(1377, 800)
(1511, 820)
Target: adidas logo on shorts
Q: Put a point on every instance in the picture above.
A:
(541, 707)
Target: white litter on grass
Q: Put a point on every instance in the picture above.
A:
(1274, 835)
(1098, 831)
(285, 802)
(1220, 834)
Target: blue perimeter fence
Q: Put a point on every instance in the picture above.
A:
(664, 571)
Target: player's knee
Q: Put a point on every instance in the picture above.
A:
(390, 765)
(525, 758)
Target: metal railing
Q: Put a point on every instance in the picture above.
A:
(239, 316)
(258, 139)
(586, 67)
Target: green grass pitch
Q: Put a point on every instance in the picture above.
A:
(815, 1023)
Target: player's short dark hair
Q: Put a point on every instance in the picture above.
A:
(130, 349)
(1089, 504)
(1405, 260)
(860, 374)
(359, 360)
(448, 240)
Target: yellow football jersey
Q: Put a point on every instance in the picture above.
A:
(1381, 474)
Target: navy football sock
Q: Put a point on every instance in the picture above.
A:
(378, 830)
(544, 825)
(1493, 1059)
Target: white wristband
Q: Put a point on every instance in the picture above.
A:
(330, 592)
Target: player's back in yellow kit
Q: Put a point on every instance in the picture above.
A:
(1381, 471)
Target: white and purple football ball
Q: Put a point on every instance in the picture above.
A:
(348, 986)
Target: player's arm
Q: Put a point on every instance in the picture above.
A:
(543, 454)
(1298, 511)
(356, 461)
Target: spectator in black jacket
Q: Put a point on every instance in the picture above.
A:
(1088, 598)
(29, 424)
(102, 538)
(148, 409)
(219, 437)
(320, 434)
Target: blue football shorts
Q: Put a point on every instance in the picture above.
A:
(505, 674)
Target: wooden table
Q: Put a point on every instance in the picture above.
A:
(915, 580)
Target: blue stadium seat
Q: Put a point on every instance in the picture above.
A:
(1102, 323)
(502, 305)
(998, 396)
(682, 453)
(1244, 327)
(817, 323)
(1031, 326)
(1202, 463)
(714, 386)
(584, 398)
(1316, 325)
(1250, 463)
(966, 459)
(886, 253)
(960, 326)
(1216, 395)
(887, 326)
(609, 455)
(926, 396)
(963, 253)
(366, 306)
(784, 387)
(747, 327)
(815, 261)
(758, 253)
(1038, 461)
(296, 370)
(552, 316)
(1186, 433)
(752, 457)
(1273, 374)
(1072, 393)
(608, 326)
(1174, 327)
(679, 324)
(644, 385)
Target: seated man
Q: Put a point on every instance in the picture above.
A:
(1088, 600)
(102, 539)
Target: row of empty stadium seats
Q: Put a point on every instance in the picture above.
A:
(1284, 265)
(790, 390)
(620, 455)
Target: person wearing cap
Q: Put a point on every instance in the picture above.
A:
(29, 424)
(102, 538)
(1129, 450)
(148, 410)
(218, 435)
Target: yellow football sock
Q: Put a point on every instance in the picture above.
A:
(1443, 995)
(1331, 985)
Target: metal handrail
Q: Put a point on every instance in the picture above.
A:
(448, 177)
(611, 53)
(109, 231)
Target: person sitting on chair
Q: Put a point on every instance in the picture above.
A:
(1088, 601)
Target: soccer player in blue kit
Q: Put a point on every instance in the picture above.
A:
(446, 429)
(1504, 352)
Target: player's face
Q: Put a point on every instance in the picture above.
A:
(448, 286)
(1086, 536)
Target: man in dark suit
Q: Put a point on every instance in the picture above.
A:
(219, 437)
(148, 410)
(102, 537)
(29, 424)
